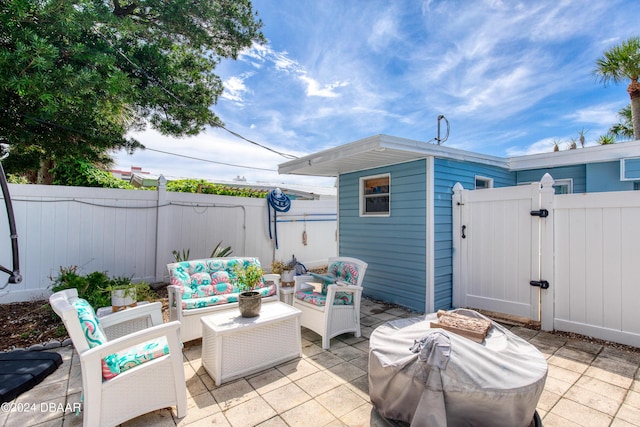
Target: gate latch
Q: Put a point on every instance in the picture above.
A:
(542, 283)
(542, 213)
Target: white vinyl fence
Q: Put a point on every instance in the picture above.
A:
(586, 249)
(128, 233)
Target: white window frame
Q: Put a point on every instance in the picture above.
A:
(363, 196)
(623, 170)
(488, 180)
(568, 182)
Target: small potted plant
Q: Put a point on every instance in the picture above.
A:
(123, 293)
(248, 278)
(126, 294)
(289, 271)
(277, 267)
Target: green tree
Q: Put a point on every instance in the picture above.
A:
(623, 129)
(76, 76)
(80, 173)
(619, 63)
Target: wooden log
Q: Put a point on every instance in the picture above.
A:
(469, 327)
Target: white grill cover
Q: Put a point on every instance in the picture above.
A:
(450, 380)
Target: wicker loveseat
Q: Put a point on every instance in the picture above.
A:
(203, 286)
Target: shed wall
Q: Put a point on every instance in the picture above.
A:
(394, 246)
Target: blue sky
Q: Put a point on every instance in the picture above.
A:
(511, 77)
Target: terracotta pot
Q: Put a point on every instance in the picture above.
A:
(250, 303)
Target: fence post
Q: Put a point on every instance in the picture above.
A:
(458, 291)
(162, 227)
(547, 271)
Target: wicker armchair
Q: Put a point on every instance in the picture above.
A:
(330, 304)
(151, 378)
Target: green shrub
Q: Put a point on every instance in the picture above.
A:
(90, 287)
(205, 187)
(96, 287)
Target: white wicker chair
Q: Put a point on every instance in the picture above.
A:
(155, 384)
(330, 320)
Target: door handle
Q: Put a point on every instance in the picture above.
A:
(464, 228)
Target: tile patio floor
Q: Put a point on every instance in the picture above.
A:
(587, 385)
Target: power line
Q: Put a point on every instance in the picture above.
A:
(185, 105)
(79, 132)
(209, 161)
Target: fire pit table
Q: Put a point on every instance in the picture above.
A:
(433, 377)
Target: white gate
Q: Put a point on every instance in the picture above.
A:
(497, 239)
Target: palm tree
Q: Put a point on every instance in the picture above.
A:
(606, 139)
(623, 129)
(619, 63)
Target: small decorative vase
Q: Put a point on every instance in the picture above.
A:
(249, 303)
(287, 276)
(123, 298)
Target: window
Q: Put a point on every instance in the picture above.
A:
(483, 182)
(374, 195)
(563, 186)
(636, 185)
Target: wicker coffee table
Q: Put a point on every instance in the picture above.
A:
(234, 346)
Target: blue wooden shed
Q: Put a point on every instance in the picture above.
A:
(394, 202)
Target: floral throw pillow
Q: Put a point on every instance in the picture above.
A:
(94, 336)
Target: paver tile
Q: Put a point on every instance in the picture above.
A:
(286, 397)
(311, 410)
(250, 413)
(340, 401)
(629, 414)
(268, 380)
(233, 393)
(318, 383)
(579, 414)
(594, 400)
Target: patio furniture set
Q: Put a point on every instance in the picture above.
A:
(132, 362)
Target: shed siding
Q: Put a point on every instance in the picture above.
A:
(446, 174)
(394, 246)
(577, 173)
(606, 177)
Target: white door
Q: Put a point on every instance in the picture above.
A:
(496, 238)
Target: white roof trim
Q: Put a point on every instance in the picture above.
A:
(384, 150)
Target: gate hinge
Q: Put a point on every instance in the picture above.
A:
(542, 213)
(542, 283)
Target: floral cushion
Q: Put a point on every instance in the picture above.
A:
(137, 355)
(343, 271)
(212, 281)
(95, 336)
(320, 299)
(200, 302)
(221, 283)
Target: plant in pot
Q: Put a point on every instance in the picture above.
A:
(124, 293)
(289, 271)
(248, 278)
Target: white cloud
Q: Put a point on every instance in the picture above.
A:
(383, 31)
(542, 146)
(603, 114)
(234, 88)
(327, 91)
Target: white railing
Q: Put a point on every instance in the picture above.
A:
(128, 233)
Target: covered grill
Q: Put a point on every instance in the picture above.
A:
(433, 377)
